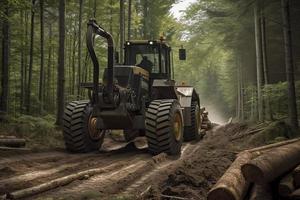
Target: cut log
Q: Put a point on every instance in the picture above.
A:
(12, 142)
(232, 185)
(260, 192)
(296, 177)
(247, 134)
(272, 164)
(286, 186)
(53, 184)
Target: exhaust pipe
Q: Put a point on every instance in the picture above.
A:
(94, 28)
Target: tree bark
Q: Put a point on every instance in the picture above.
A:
(61, 64)
(232, 185)
(79, 49)
(28, 95)
(5, 61)
(41, 85)
(289, 63)
(258, 61)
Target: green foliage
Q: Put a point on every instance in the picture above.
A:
(276, 131)
(39, 132)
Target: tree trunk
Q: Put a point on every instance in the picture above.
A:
(49, 74)
(122, 28)
(22, 64)
(41, 86)
(289, 63)
(61, 64)
(28, 95)
(238, 91)
(73, 45)
(258, 62)
(79, 49)
(268, 110)
(5, 61)
(129, 20)
(111, 17)
(145, 19)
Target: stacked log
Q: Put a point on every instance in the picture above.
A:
(273, 164)
(232, 185)
(276, 163)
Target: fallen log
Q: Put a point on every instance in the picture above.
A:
(53, 184)
(272, 164)
(14, 149)
(286, 186)
(296, 177)
(232, 185)
(12, 142)
(270, 146)
(247, 134)
(260, 192)
(7, 136)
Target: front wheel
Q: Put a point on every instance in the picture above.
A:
(164, 127)
(79, 128)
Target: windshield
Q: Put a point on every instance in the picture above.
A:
(145, 56)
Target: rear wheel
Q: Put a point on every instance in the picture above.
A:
(79, 128)
(193, 132)
(164, 127)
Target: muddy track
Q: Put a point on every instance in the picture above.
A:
(126, 171)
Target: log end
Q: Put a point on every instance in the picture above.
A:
(221, 193)
(252, 173)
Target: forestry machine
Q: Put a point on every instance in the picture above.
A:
(139, 97)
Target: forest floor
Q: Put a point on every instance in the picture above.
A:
(130, 172)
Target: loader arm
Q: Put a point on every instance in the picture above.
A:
(95, 29)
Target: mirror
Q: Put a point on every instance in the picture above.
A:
(182, 54)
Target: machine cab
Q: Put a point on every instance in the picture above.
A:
(153, 56)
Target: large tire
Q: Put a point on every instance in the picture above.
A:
(164, 127)
(193, 132)
(77, 126)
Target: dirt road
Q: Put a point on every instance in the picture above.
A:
(126, 171)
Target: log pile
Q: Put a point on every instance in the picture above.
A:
(11, 142)
(262, 173)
